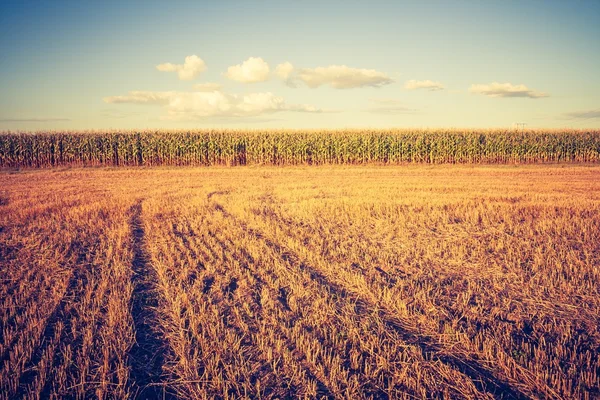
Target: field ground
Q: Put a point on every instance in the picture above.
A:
(338, 282)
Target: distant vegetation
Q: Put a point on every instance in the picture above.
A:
(211, 147)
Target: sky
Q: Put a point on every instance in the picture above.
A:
(77, 65)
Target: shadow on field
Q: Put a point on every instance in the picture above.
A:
(146, 356)
(482, 377)
(61, 314)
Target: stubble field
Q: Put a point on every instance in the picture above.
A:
(265, 282)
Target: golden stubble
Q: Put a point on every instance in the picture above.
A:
(347, 282)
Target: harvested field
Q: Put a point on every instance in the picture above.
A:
(313, 282)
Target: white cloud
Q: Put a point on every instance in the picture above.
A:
(187, 71)
(207, 87)
(429, 85)
(343, 77)
(253, 70)
(309, 108)
(496, 89)
(285, 72)
(198, 105)
(142, 97)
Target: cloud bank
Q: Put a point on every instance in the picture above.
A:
(187, 71)
(343, 77)
(199, 105)
(496, 89)
(583, 114)
(428, 85)
(253, 70)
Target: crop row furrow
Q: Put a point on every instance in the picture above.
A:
(481, 376)
(346, 315)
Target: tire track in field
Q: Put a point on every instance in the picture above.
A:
(370, 389)
(483, 379)
(147, 355)
(62, 314)
(536, 390)
(9, 315)
(228, 247)
(218, 250)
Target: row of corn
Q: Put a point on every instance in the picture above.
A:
(47, 149)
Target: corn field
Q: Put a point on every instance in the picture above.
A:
(226, 147)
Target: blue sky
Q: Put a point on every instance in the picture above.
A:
(290, 64)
